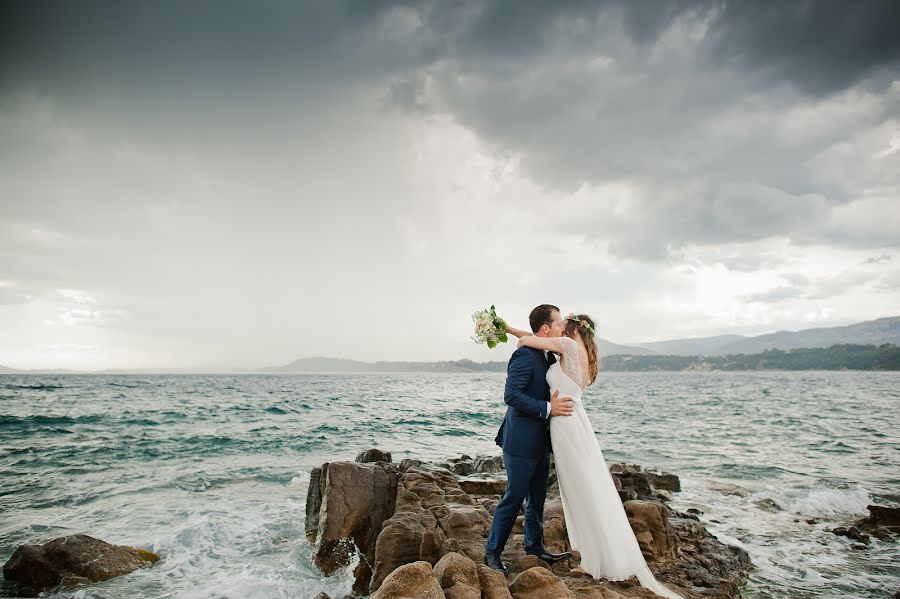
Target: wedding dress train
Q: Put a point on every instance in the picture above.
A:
(595, 518)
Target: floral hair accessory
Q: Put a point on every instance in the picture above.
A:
(584, 323)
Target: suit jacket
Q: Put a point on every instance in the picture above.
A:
(526, 427)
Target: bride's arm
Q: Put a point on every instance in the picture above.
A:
(543, 343)
(517, 332)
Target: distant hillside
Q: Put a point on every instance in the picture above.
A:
(5, 370)
(836, 357)
(608, 348)
(321, 365)
(698, 346)
(872, 332)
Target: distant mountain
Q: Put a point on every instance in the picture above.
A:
(5, 370)
(872, 332)
(837, 357)
(320, 365)
(698, 346)
(608, 348)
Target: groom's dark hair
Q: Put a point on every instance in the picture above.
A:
(540, 316)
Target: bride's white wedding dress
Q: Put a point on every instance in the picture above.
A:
(596, 521)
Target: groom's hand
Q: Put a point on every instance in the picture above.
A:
(560, 406)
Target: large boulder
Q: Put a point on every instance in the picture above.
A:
(539, 583)
(411, 581)
(493, 584)
(74, 559)
(458, 576)
(354, 501)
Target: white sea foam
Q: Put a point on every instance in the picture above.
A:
(831, 502)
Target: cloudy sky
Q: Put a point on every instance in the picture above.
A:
(236, 183)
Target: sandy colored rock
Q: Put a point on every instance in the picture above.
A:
(539, 583)
(458, 576)
(493, 584)
(74, 559)
(412, 581)
(526, 562)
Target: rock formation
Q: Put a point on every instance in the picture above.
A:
(72, 560)
(428, 539)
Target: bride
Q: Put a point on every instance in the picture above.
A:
(595, 519)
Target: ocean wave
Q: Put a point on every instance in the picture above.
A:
(830, 502)
(36, 387)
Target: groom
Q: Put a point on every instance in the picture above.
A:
(525, 439)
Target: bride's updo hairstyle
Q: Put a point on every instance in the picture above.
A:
(587, 335)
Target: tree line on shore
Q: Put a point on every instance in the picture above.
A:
(836, 357)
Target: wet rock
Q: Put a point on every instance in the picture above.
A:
(356, 499)
(322, 596)
(851, 532)
(411, 581)
(373, 455)
(314, 502)
(634, 482)
(664, 481)
(458, 577)
(702, 560)
(70, 560)
(539, 583)
(767, 504)
(882, 519)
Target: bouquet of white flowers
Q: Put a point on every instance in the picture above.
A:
(489, 328)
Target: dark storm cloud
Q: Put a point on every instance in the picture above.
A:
(820, 46)
(686, 101)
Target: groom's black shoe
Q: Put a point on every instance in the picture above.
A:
(552, 558)
(493, 561)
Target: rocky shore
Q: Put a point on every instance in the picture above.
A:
(416, 530)
(419, 529)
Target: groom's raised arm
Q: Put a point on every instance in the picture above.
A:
(518, 375)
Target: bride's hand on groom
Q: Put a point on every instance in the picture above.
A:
(560, 406)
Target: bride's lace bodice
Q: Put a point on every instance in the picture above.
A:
(570, 366)
(570, 363)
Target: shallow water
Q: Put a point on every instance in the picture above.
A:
(211, 471)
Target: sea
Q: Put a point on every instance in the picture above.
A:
(211, 472)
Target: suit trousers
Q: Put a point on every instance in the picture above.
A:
(527, 481)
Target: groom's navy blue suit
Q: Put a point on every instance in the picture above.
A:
(525, 439)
